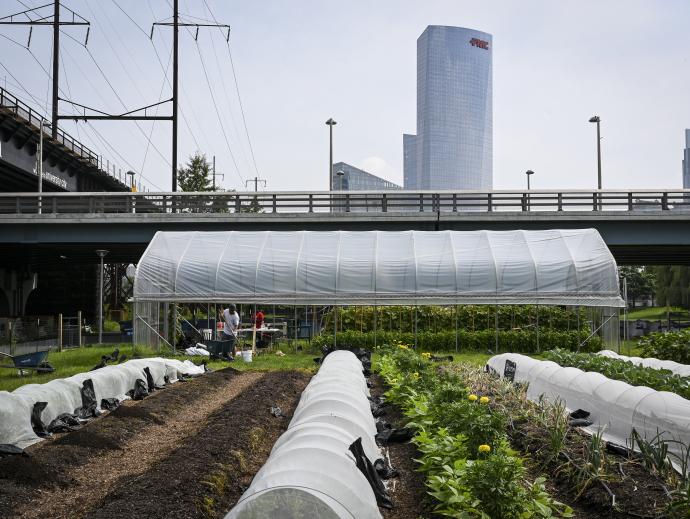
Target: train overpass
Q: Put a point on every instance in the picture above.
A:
(640, 227)
(68, 165)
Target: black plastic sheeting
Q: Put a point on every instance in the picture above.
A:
(11, 450)
(89, 404)
(140, 390)
(387, 434)
(36, 422)
(65, 423)
(384, 469)
(364, 465)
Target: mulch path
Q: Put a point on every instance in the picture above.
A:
(407, 491)
(187, 451)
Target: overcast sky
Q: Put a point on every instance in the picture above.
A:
(299, 62)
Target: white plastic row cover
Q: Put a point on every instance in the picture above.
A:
(682, 370)
(64, 395)
(614, 406)
(310, 472)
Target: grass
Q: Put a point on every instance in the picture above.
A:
(71, 362)
(655, 313)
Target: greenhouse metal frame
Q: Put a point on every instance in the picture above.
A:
(571, 267)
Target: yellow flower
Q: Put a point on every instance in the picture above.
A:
(426, 355)
(484, 400)
(402, 346)
(415, 375)
(484, 448)
(472, 398)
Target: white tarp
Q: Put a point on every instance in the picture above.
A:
(614, 406)
(682, 370)
(565, 267)
(311, 472)
(64, 395)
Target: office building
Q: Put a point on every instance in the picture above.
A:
(350, 178)
(453, 147)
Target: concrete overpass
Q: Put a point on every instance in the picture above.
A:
(640, 227)
(68, 165)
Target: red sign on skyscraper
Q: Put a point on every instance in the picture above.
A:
(476, 42)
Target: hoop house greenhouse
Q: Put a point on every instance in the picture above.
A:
(552, 267)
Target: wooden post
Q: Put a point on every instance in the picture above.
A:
(79, 328)
(59, 332)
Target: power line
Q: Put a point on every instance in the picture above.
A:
(215, 106)
(237, 88)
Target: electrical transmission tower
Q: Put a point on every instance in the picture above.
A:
(32, 17)
(256, 181)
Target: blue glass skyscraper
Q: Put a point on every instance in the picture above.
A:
(453, 148)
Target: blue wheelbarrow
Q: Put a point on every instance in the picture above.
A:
(35, 361)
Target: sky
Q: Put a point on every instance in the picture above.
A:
(299, 62)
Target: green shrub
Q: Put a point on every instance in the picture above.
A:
(513, 341)
(667, 346)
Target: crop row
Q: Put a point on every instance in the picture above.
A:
(667, 346)
(616, 369)
(468, 317)
(470, 469)
(518, 341)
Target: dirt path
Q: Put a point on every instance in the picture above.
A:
(83, 473)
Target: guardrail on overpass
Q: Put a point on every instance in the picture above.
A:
(637, 201)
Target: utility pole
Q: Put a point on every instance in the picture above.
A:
(216, 174)
(33, 17)
(176, 26)
(255, 181)
(56, 67)
(331, 123)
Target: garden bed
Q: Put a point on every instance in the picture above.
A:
(187, 451)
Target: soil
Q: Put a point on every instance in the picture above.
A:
(638, 493)
(407, 491)
(186, 451)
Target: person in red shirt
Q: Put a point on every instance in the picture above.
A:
(259, 319)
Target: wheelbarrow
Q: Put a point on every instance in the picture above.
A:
(35, 361)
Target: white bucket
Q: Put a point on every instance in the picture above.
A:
(247, 355)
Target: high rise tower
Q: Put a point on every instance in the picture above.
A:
(453, 148)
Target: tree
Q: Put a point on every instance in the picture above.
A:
(641, 282)
(196, 175)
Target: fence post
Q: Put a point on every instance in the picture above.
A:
(59, 332)
(79, 328)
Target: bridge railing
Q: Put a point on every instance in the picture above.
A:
(17, 107)
(344, 202)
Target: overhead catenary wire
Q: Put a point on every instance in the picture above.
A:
(237, 89)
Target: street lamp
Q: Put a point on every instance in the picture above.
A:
(529, 173)
(39, 158)
(131, 179)
(596, 119)
(101, 254)
(331, 123)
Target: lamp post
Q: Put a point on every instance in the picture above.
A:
(39, 158)
(131, 179)
(596, 119)
(529, 173)
(331, 123)
(101, 254)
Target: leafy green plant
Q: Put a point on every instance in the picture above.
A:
(617, 369)
(667, 346)
(524, 341)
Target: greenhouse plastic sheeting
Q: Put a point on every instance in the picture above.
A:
(567, 267)
(615, 407)
(682, 370)
(64, 395)
(311, 472)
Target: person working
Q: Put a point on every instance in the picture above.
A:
(259, 319)
(231, 322)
